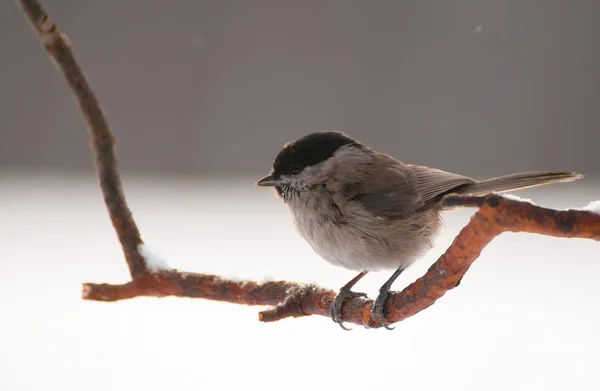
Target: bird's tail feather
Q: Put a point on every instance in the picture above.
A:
(516, 181)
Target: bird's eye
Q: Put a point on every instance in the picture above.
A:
(296, 170)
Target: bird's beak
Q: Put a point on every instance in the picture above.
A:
(268, 181)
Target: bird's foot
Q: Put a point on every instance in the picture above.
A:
(336, 306)
(377, 310)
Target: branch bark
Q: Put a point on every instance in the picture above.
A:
(101, 139)
(496, 215)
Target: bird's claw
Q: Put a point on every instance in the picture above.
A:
(377, 310)
(336, 306)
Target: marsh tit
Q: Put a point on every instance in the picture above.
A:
(367, 211)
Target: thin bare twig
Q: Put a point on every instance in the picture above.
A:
(102, 141)
(496, 215)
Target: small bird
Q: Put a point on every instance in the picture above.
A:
(367, 211)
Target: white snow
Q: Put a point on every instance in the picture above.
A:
(265, 278)
(238, 279)
(593, 206)
(155, 262)
(478, 29)
(243, 280)
(517, 198)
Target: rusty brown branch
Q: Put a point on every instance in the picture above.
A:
(496, 215)
(102, 141)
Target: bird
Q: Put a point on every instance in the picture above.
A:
(367, 211)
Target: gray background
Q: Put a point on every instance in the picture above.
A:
(216, 87)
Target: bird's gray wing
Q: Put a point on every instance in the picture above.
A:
(394, 190)
(386, 188)
(433, 183)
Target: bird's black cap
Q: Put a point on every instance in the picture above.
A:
(309, 150)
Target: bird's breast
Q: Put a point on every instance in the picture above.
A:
(346, 236)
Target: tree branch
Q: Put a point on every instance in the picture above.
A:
(102, 141)
(496, 215)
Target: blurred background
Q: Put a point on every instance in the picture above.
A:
(200, 96)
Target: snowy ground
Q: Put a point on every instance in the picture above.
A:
(525, 317)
